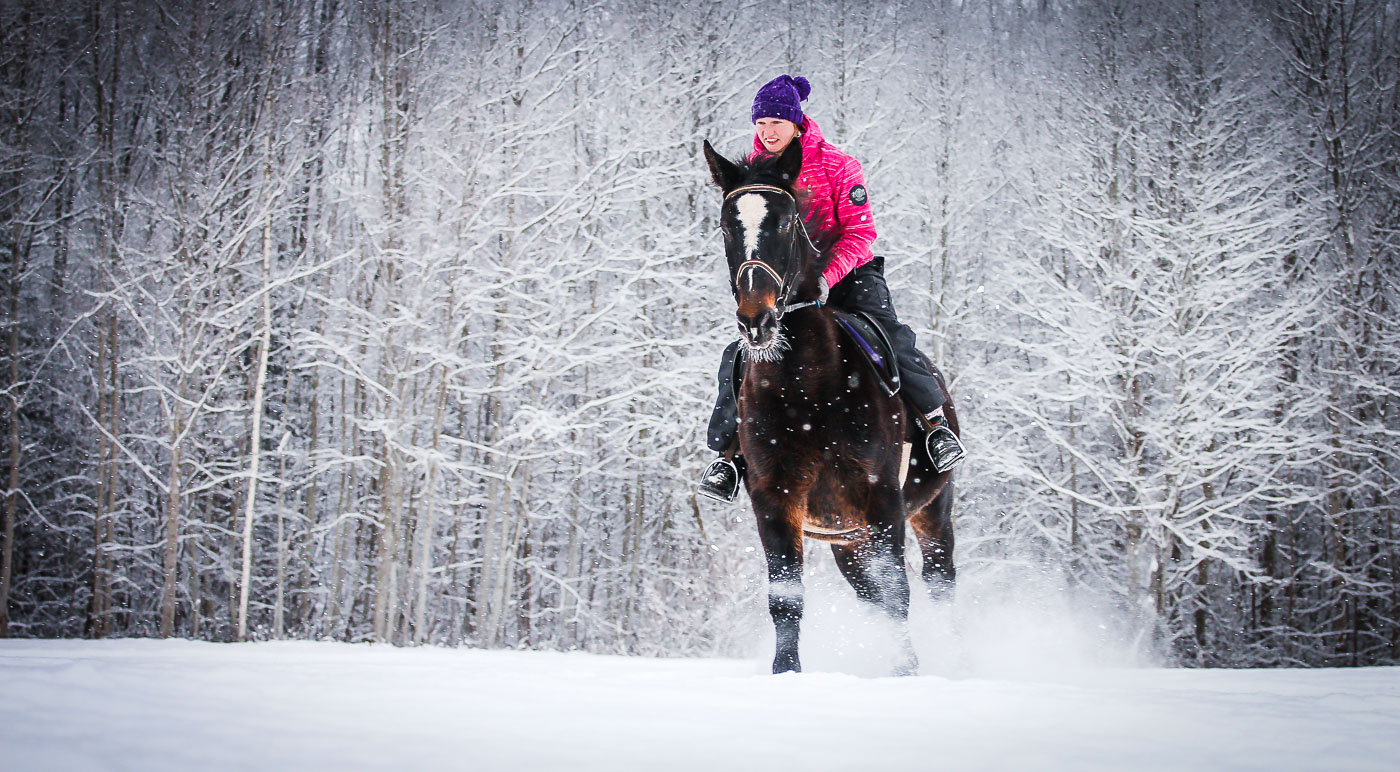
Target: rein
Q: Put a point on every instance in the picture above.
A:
(784, 289)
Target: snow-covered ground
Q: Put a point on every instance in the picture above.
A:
(180, 705)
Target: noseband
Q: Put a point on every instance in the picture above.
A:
(784, 288)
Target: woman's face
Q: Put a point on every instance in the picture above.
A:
(774, 133)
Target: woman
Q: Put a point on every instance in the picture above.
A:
(838, 212)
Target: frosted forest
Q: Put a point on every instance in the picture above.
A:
(398, 321)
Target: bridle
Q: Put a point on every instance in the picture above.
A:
(785, 289)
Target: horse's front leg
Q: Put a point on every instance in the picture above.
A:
(782, 546)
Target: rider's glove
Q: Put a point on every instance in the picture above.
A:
(824, 290)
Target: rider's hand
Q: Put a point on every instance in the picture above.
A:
(825, 290)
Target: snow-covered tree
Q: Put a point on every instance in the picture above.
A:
(399, 321)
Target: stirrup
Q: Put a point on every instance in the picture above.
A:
(720, 480)
(944, 448)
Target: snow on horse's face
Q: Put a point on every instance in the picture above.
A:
(759, 222)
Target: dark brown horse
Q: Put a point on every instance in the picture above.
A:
(828, 449)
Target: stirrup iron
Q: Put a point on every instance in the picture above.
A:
(721, 480)
(945, 450)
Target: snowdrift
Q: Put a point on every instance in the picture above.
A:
(180, 705)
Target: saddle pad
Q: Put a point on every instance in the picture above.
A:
(870, 338)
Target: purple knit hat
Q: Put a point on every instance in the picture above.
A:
(781, 97)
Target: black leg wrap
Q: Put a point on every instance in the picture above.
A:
(724, 421)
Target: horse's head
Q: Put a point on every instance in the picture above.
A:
(765, 242)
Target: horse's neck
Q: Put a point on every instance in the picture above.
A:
(812, 340)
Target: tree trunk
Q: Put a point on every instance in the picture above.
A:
(423, 560)
(279, 607)
(171, 550)
(255, 435)
(7, 546)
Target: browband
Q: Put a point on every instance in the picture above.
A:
(756, 189)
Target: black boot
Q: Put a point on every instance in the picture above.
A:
(721, 480)
(944, 448)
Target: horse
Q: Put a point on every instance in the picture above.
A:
(826, 446)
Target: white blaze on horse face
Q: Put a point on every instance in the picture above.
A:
(752, 209)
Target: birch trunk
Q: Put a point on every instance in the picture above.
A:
(386, 548)
(278, 610)
(171, 550)
(424, 549)
(255, 435)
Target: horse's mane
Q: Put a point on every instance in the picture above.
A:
(762, 169)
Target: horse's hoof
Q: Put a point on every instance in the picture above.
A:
(909, 666)
(786, 664)
(940, 590)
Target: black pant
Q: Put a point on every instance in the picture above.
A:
(863, 289)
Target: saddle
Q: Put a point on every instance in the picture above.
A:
(872, 341)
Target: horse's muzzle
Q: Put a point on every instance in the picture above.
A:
(759, 330)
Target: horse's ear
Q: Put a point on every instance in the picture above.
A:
(722, 171)
(790, 162)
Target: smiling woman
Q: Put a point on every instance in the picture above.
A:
(775, 133)
(777, 112)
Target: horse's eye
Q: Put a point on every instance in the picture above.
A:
(785, 225)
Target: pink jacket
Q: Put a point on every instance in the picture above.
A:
(838, 205)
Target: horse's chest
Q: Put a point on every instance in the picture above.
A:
(818, 396)
(777, 411)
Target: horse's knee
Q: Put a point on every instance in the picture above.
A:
(780, 536)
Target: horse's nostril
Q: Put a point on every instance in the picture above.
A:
(758, 329)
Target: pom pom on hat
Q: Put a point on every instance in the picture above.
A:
(804, 89)
(782, 97)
